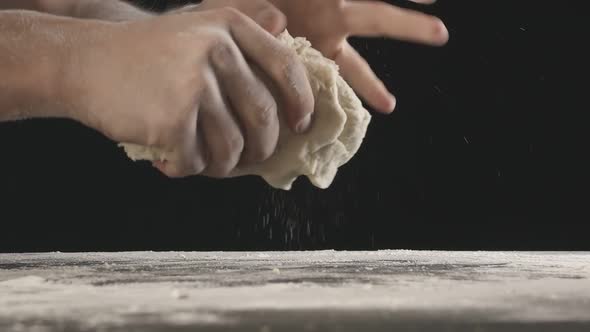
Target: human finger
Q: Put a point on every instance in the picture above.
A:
(252, 103)
(220, 131)
(379, 19)
(357, 72)
(281, 65)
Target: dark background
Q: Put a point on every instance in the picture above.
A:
(484, 152)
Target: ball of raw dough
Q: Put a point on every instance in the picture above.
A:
(339, 125)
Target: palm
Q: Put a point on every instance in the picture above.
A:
(321, 22)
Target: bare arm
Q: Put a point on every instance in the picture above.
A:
(29, 83)
(111, 10)
(179, 99)
(29, 78)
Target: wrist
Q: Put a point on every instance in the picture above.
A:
(32, 48)
(75, 83)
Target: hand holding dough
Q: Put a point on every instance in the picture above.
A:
(338, 128)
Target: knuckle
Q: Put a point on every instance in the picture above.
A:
(231, 15)
(200, 161)
(232, 147)
(216, 35)
(190, 160)
(227, 155)
(200, 168)
(265, 115)
(223, 55)
(197, 166)
(193, 163)
(265, 150)
(263, 138)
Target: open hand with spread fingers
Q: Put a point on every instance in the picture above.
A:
(328, 24)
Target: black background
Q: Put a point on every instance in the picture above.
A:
(485, 151)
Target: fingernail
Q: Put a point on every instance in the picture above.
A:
(440, 32)
(392, 103)
(303, 125)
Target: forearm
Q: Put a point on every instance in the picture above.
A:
(111, 10)
(35, 49)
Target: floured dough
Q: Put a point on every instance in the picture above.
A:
(338, 128)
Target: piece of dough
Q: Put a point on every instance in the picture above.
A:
(338, 128)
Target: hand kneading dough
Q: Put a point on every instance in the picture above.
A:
(338, 128)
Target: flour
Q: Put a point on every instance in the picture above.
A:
(338, 128)
(157, 289)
